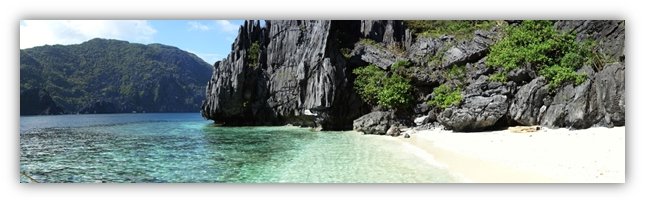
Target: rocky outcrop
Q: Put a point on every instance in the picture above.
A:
(378, 122)
(477, 113)
(528, 105)
(609, 86)
(393, 131)
(522, 75)
(376, 55)
(38, 102)
(533, 103)
(389, 32)
(610, 34)
(300, 67)
(469, 51)
(306, 66)
(599, 101)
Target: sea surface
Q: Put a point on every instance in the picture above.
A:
(185, 148)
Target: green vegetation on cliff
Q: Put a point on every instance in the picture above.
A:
(537, 44)
(107, 76)
(377, 87)
(444, 96)
(254, 54)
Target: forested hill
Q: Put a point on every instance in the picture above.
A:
(110, 76)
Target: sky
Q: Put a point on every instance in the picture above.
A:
(209, 39)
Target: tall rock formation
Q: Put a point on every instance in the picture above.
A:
(300, 72)
(299, 69)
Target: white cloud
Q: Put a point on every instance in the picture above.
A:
(210, 58)
(227, 26)
(198, 26)
(41, 32)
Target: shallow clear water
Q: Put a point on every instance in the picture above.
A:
(182, 147)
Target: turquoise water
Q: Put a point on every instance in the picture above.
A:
(184, 148)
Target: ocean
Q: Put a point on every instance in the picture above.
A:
(185, 148)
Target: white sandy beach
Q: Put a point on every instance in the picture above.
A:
(595, 155)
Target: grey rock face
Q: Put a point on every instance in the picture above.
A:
(522, 75)
(300, 68)
(609, 33)
(422, 48)
(609, 87)
(378, 122)
(469, 51)
(484, 104)
(483, 87)
(390, 32)
(376, 55)
(598, 101)
(558, 115)
(528, 101)
(477, 113)
(477, 69)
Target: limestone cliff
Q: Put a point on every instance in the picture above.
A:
(300, 72)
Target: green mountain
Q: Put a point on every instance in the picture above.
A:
(110, 76)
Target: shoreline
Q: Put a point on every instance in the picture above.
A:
(594, 155)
